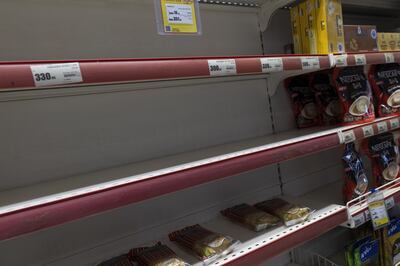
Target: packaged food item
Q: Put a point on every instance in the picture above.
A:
(355, 181)
(384, 154)
(304, 104)
(391, 243)
(388, 41)
(360, 38)
(385, 82)
(157, 255)
(304, 27)
(327, 98)
(250, 216)
(367, 254)
(206, 244)
(311, 26)
(122, 260)
(355, 94)
(295, 18)
(350, 248)
(289, 213)
(329, 26)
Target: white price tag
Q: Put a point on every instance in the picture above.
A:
(56, 74)
(271, 64)
(368, 131)
(310, 63)
(382, 127)
(222, 67)
(394, 123)
(359, 219)
(389, 203)
(360, 59)
(347, 137)
(341, 60)
(389, 58)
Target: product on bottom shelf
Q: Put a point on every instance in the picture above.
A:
(388, 41)
(289, 213)
(391, 243)
(251, 217)
(360, 38)
(355, 94)
(157, 255)
(206, 244)
(385, 82)
(303, 101)
(327, 98)
(122, 260)
(384, 154)
(363, 252)
(356, 181)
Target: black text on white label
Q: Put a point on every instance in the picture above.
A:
(222, 67)
(56, 74)
(310, 63)
(271, 64)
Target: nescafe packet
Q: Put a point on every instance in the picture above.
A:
(327, 98)
(355, 94)
(157, 255)
(303, 101)
(356, 181)
(384, 154)
(385, 82)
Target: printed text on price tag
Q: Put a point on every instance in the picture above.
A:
(271, 64)
(222, 67)
(56, 74)
(310, 63)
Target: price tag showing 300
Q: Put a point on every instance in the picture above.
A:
(222, 67)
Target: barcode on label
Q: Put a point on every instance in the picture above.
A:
(310, 63)
(341, 60)
(368, 131)
(389, 57)
(222, 67)
(271, 64)
(56, 74)
(360, 59)
(382, 127)
(394, 123)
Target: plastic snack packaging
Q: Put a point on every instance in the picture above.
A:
(303, 101)
(391, 243)
(363, 252)
(327, 98)
(356, 181)
(355, 94)
(157, 255)
(122, 260)
(206, 244)
(385, 82)
(384, 154)
(251, 217)
(289, 213)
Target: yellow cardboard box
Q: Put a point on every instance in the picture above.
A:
(329, 26)
(388, 41)
(312, 26)
(296, 32)
(303, 27)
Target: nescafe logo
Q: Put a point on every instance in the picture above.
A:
(388, 74)
(351, 78)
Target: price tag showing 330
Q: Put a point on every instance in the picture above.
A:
(56, 74)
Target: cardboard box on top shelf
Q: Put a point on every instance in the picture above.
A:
(329, 26)
(388, 41)
(303, 27)
(360, 38)
(296, 32)
(311, 26)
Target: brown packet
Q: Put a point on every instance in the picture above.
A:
(206, 244)
(251, 217)
(157, 255)
(289, 213)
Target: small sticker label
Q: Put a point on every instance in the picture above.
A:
(389, 58)
(56, 74)
(394, 123)
(368, 131)
(271, 64)
(341, 60)
(359, 219)
(360, 59)
(382, 127)
(389, 203)
(310, 63)
(347, 137)
(222, 67)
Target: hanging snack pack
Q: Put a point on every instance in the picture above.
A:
(367, 254)
(391, 243)
(384, 154)
(355, 94)
(303, 102)
(158, 255)
(327, 99)
(122, 260)
(289, 213)
(206, 244)
(356, 181)
(251, 217)
(385, 82)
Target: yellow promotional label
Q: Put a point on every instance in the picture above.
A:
(378, 213)
(179, 16)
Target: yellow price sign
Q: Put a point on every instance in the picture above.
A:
(179, 16)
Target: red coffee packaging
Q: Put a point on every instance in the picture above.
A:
(355, 94)
(327, 98)
(385, 82)
(303, 101)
